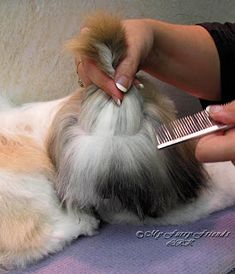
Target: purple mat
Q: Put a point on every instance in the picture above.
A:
(117, 249)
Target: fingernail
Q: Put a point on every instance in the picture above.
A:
(123, 83)
(85, 29)
(214, 108)
(140, 86)
(117, 101)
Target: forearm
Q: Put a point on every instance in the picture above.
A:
(186, 57)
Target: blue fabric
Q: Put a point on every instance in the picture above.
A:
(117, 250)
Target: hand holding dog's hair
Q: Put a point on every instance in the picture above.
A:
(139, 36)
(184, 56)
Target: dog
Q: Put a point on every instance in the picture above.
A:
(69, 163)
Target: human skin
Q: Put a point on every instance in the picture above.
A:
(182, 55)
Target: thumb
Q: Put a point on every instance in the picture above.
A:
(223, 113)
(125, 73)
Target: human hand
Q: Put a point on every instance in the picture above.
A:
(140, 38)
(219, 146)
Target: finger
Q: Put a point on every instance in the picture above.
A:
(138, 84)
(84, 30)
(126, 71)
(216, 147)
(83, 76)
(223, 113)
(102, 80)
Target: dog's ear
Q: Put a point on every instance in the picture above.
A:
(102, 36)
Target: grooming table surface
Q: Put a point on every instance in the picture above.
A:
(117, 250)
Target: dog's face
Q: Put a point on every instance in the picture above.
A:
(103, 152)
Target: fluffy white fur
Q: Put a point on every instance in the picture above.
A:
(45, 206)
(33, 223)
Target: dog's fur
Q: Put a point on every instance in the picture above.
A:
(65, 164)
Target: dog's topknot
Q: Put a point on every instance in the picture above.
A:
(102, 40)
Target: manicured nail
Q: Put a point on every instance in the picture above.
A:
(214, 108)
(123, 83)
(117, 101)
(140, 86)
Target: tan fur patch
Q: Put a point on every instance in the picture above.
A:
(53, 138)
(22, 232)
(22, 154)
(104, 29)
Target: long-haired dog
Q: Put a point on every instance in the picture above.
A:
(68, 163)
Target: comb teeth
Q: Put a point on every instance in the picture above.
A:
(186, 128)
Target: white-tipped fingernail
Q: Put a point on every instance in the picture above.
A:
(208, 108)
(140, 86)
(123, 83)
(117, 101)
(214, 108)
(121, 87)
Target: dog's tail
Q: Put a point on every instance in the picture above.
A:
(102, 40)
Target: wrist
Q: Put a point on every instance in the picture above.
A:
(152, 61)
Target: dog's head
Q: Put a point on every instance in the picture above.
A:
(103, 152)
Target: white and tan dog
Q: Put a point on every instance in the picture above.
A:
(66, 164)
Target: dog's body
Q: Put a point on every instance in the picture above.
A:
(64, 162)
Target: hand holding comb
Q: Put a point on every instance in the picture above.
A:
(187, 128)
